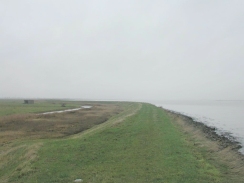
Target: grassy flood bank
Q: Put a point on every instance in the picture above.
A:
(141, 143)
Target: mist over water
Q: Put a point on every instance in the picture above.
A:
(226, 116)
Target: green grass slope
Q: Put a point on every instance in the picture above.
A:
(145, 147)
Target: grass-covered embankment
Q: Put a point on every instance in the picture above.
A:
(145, 147)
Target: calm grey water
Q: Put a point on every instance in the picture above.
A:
(226, 116)
(69, 110)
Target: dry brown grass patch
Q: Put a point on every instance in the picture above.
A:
(54, 125)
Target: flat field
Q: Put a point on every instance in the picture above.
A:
(9, 107)
(137, 142)
(39, 126)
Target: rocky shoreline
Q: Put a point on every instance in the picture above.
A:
(210, 132)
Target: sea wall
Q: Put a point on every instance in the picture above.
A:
(224, 141)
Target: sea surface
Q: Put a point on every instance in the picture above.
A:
(226, 116)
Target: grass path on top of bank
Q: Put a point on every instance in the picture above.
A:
(146, 147)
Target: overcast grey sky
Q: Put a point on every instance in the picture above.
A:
(122, 49)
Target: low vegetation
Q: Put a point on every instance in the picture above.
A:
(33, 126)
(10, 107)
(138, 143)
